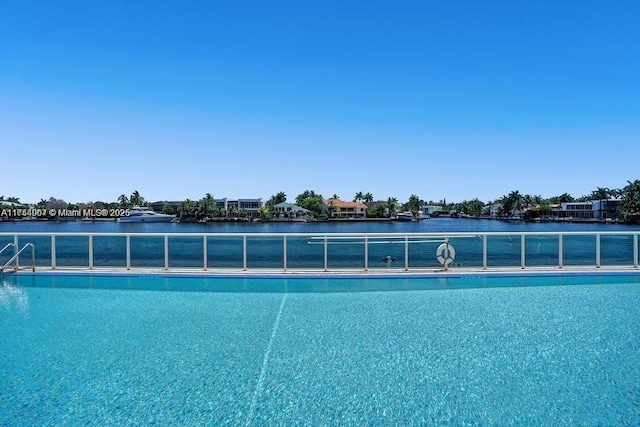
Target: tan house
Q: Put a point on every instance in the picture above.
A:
(336, 208)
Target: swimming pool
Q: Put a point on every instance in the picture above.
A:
(534, 349)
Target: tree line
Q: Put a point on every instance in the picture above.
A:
(513, 203)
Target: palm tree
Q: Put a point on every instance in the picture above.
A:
(206, 206)
(331, 206)
(358, 197)
(506, 206)
(380, 210)
(367, 198)
(630, 202)
(565, 198)
(413, 204)
(186, 209)
(601, 193)
(124, 201)
(392, 206)
(136, 199)
(615, 193)
(516, 200)
(307, 194)
(276, 199)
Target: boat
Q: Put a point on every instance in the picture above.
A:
(405, 216)
(138, 214)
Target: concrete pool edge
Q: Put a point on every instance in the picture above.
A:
(355, 273)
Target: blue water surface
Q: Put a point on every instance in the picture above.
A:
(433, 225)
(547, 350)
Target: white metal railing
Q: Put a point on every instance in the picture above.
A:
(339, 251)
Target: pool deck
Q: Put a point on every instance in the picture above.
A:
(377, 272)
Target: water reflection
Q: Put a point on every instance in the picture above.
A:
(13, 298)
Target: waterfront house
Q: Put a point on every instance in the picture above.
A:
(606, 209)
(233, 207)
(430, 209)
(336, 208)
(289, 210)
(160, 206)
(595, 209)
(577, 210)
(495, 209)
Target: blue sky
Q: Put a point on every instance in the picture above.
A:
(442, 99)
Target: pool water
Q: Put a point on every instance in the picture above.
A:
(543, 350)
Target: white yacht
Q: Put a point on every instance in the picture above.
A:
(138, 214)
(405, 216)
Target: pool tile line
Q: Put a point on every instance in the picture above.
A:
(265, 361)
(306, 274)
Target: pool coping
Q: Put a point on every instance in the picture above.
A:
(307, 273)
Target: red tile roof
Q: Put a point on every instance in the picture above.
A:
(342, 204)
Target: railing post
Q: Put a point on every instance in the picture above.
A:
(406, 253)
(635, 251)
(90, 252)
(598, 250)
(244, 252)
(559, 250)
(284, 252)
(166, 251)
(33, 257)
(522, 251)
(204, 252)
(326, 258)
(484, 251)
(53, 251)
(366, 253)
(128, 251)
(16, 248)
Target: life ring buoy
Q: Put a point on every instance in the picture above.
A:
(445, 254)
(388, 259)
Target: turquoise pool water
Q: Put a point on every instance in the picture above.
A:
(130, 350)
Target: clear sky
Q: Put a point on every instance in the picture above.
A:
(243, 99)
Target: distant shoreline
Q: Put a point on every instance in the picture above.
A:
(327, 220)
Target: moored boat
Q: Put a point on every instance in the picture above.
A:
(405, 216)
(145, 215)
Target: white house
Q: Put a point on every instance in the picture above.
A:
(285, 209)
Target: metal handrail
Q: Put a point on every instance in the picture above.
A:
(8, 245)
(17, 254)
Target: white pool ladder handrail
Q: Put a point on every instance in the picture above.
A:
(17, 254)
(7, 246)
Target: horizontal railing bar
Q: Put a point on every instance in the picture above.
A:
(329, 235)
(393, 242)
(387, 236)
